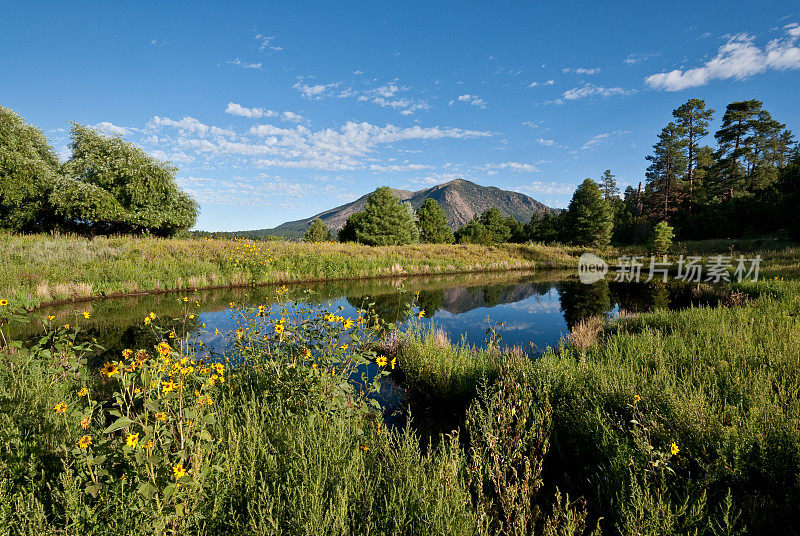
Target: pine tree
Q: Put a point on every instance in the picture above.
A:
(317, 232)
(660, 239)
(497, 225)
(664, 175)
(386, 221)
(608, 185)
(693, 118)
(432, 224)
(589, 221)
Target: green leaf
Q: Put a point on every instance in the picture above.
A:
(119, 424)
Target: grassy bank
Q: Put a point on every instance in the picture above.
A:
(38, 269)
(666, 423)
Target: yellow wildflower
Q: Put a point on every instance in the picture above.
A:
(674, 449)
(132, 440)
(392, 362)
(152, 315)
(109, 369)
(279, 328)
(636, 398)
(85, 441)
(61, 407)
(147, 321)
(421, 313)
(83, 391)
(85, 423)
(161, 416)
(164, 348)
(178, 471)
(185, 299)
(86, 314)
(51, 317)
(127, 353)
(344, 346)
(66, 326)
(348, 323)
(169, 386)
(381, 360)
(3, 302)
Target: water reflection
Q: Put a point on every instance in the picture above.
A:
(532, 310)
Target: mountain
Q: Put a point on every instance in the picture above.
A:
(460, 199)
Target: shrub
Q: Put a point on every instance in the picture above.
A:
(660, 239)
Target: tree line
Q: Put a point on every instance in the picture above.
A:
(748, 184)
(107, 186)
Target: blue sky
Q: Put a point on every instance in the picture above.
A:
(276, 111)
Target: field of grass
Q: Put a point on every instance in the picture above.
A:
(38, 269)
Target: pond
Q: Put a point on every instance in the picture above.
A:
(530, 310)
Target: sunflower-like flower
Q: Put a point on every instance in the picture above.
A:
(85, 441)
(61, 407)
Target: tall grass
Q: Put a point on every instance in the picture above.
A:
(721, 384)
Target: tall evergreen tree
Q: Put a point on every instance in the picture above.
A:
(608, 185)
(752, 148)
(432, 224)
(386, 221)
(693, 118)
(589, 220)
(667, 168)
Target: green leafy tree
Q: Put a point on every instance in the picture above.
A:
(473, 232)
(317, 232)
(348, 231)
(147, 196)
(386, 221)
(660, 239)
(589, 220)
(544, 227)
(692, 118)
(608, 185)
(28, 171)
(432, 224)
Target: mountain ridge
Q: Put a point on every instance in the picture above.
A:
(460, 199)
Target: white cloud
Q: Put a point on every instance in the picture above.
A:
(474, 100)
(237, 109)
(602, 139)
(581, 70)
(547, 188)
(516, 167)
(739, 58)
(265, 43)
(315, 91)
(293, 117)
(110, 128)
(244, 64)
(591, 90)
(545, 83)
(545, 142)
(638, 57)
(189, 125)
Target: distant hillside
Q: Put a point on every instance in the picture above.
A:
(460, 199)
